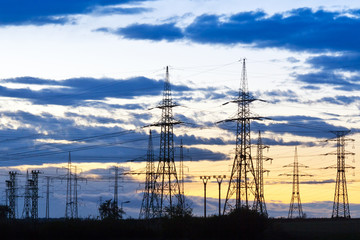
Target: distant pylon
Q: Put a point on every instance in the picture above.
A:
(181, 174)
(47, 211)
(116, 187)
(34, 186)
(149, 207)
(259, 202)
(243, 182)
(27, 198)
(341, 202)
(71, 208)
(167, 186)
(11, 194)
(295, 209)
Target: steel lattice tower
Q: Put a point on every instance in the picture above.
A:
(341, 202)
(27, 198)
(34, 187)
(167, 186)
(47, 211)
(149, 207)
(295, 209)
(182, 176)
(71, 209)
(259, 202)
(116, 187)
(243, 182)
(11, 194)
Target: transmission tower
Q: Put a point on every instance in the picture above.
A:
(47, 211)
(11, 194)
(182, 176)
(71, 209)
(150, 206)
(167, 186)
(34, 187)
(341, 202)
(116, 187)
(295, 210)
(27, 198)
(243, 182)
(259, 202)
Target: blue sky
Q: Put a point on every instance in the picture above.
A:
(85, 76)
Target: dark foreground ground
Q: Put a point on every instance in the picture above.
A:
(248, 227)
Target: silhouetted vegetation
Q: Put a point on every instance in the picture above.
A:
(242, 224)
(110, 211)
(4, 212)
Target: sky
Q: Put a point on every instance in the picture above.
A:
(85, 77)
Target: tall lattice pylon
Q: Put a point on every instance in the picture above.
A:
(34, 187)
(259, 202)
(71, 208)
(341, 202)
(243, 182)
(11, 194)
(295, 209)
(149, 207)
(27, 198)
(167, 186)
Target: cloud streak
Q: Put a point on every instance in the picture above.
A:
(41, 12)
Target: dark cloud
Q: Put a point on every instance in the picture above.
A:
(331, 71)
(348, 61)
(341, 100)
(300, 29)
(305, 126)
(40, 12)
(330, 78)
(75, 90)
(166, 31)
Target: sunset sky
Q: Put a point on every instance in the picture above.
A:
(84, 76)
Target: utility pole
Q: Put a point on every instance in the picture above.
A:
(11, 194)
(167, 185)
(341, 202)
(205, 180)
(27, 198)
(34, 185)
(295, 209)
(259, 202)
(219, 179)
(150, 206)
(243, 182)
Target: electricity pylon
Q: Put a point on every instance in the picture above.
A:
(47, 211)
(182, 176)
(11, 194)
(27, 198)
(167, 186)
(116, 187)
(71, 209)
(34, 187)
(243, 182)
(149, 207)
(295, 209)
(341, 202)
(259, 202)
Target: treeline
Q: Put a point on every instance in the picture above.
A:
(240, 225)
